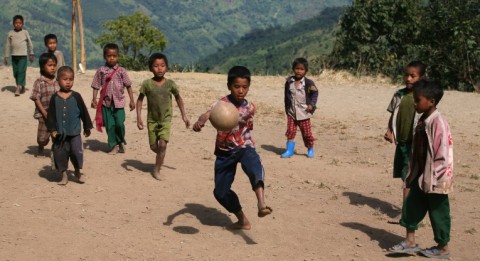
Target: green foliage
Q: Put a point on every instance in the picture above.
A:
(136, 38)
(271, 50)
(383, 36)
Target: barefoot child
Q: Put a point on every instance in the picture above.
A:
(43, 89)
(51, 42)
(111, 79)
(401, 122)
(300, 104)
(65, 112)
(18, 45)
(159, 91)
(237, 146)
(430, 174)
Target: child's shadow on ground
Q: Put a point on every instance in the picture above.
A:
(206, 216)
(143, 167)
(9, 88)
(95, 145)
(384, 238)
(375, 203)
(273, 149)
(49, 174)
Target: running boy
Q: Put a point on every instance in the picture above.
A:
(300, 104)
(51, 42)
(111, 79)
(237, 146)
(430, 174)
(18, 45)
(401, 123)
(63, 122)
(159, 91)
(43, 90)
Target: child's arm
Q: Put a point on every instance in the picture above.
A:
(130, 95)
(7, 50)
(139, 111)
(201, 121)
(30, 47)
(389, 134)
(94, 99)
(179, 101)
(40, 108)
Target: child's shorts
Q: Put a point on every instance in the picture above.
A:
(158, 130)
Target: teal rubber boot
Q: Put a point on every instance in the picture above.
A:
(290, 149)
(310, 153)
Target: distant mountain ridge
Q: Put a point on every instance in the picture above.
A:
(194, 28)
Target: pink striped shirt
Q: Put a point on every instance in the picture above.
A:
(116, 86)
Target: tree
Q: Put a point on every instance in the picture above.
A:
(136, 38)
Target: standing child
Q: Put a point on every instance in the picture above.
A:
(237, 146)
(401, 123)
(63, 122)
(300, 103)
(159, 91)
(18, 45)
(430, 174)
(112, 79)
(51, 42)
(43, 90)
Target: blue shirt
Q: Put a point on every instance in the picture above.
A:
(68, 116)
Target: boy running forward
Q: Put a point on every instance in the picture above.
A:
(65, 113)
(430, 174)
(401, 123)
(18, 45)
(159, 91)
(112, 79)
(237, 146)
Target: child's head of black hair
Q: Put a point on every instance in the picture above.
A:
(238, 72)
(64, 69)
(302, 61)
(156, 56)
(17, 17)
(43, 59)
(422, 68)
(110, 46)
(49, 37)
(429, 89)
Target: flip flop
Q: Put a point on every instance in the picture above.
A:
(404, 248)
(264, 211)
(434, 252)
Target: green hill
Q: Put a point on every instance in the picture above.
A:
(270, 51)
(194, 28)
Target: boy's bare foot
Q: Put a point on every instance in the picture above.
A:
(121, 148)
(80, 177)
(17, 91)
(245, 225)
(157, 174)
(264, 211)
(64, 180)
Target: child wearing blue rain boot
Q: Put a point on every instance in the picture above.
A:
(300, 103)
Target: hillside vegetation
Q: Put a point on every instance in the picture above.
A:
(194, 29)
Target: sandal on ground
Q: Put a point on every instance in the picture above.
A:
(265, 211)
(404, 248)
(434, 252)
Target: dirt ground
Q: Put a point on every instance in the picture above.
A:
(332, 207)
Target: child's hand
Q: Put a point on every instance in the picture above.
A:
(87, 133)
(5, 60)
(198, 126)
(53, 134)
(309, 108)
(94, 103)
(187, 122)
(132, 105)
(45, 115)
(140, 124)
(31, 58)
(388, 136)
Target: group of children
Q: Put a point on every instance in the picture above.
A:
(423, 156)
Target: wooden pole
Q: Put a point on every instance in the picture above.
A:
(82, 42)
(74, 37)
